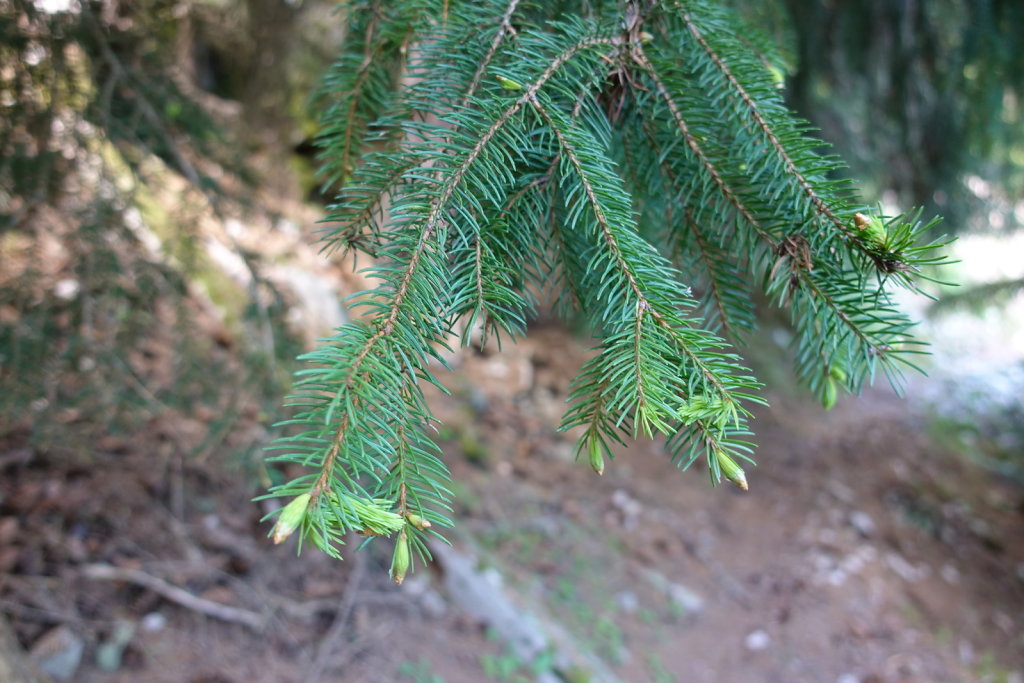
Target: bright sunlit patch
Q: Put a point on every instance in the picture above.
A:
(55, 6)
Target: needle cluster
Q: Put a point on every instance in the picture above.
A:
(634, 161)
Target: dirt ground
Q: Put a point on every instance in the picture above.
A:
(863, 551)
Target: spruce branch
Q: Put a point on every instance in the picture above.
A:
(645, 356)
(731, 310)
(833, 294)
(750, 107)
(504, 29)
(489, 172)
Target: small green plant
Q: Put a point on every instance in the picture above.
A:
(505, 667)
(419, 672)
(632, 161)
(657, 670)
(609, 639)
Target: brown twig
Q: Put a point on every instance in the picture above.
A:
(180, 596)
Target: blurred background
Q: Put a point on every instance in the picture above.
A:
(159, 273)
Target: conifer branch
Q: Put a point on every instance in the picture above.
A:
(386, 323)
(362, 74)
(504, 28)
(473, 190)
(803, 274)
(691, 141)
(369, 211)
(750, 106)
(712, 266)
(643, 304)
(635, 402)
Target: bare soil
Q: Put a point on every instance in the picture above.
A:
(864, 551)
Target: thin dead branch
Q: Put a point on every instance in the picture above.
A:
(180, 596)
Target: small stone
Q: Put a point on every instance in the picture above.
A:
(841, 491)
(862, 522)
(59, 652)
(627, 601)
(685, 598)
(757, 640)
(67, 289)
(681, 596)
(836, 577)
(154, 622)
(906, 570)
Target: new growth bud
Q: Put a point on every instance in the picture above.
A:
(400, 558)
(508, 83)
(290, 518)
(417, 521)
(873, 229)
(837, 373)
(730, 470)
(828, 399)
(596, 457)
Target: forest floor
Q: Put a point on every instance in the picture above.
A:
(864, 551)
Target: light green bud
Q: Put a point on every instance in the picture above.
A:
(508, 83)
(596, 456)
(400, 558)
(417, 521)
(290, 518)
(837, 373)
(873, 229)
(828, 399)
(730, 470)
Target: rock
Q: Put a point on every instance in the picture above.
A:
(481, 594)
(110, 652)
(965, 650)
(317, 309)
(627, 601)
(683, 598)
(67, 289)
(862, 522)
(58, 652)
(906, 570)
(154, 622)
(757, 640)
(1004, 621)
(429, 599)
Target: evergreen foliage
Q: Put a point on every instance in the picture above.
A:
(634, 161)
(920, 94)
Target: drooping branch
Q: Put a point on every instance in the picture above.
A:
(433, 223)
(804, 274)
(750, 106)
